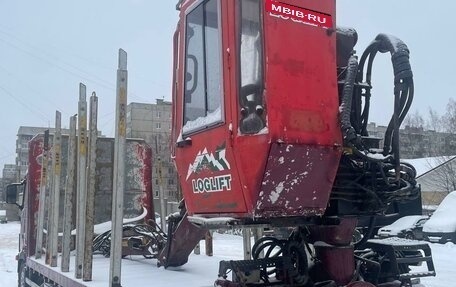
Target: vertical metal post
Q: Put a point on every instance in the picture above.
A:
(42, 200)
(246, 235)
(49, 204)
(93, 134)
(81, 182)
(257, 235)
(161, 193)
(119, 172)
(55, 199)
(69, 191)
(209, 243)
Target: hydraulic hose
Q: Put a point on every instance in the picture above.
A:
(348, 132)
(373, 179)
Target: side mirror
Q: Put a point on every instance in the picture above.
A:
(15, 194)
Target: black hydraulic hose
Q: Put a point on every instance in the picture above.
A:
(403, 89)
(402, 86)
(365, 115)
(360, 114)
(348, 132)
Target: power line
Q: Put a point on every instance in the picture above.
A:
(28, 86)
(99, 82)
(35, 111)
(36, 48)
(55, 58)
(106, 86)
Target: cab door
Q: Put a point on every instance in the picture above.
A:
(202, 126)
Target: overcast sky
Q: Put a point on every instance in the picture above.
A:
(48, 47)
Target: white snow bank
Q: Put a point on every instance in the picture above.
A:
(105, 226)
(444, 218)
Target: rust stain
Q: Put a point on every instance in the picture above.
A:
(292, 66)
(122, 112)
(306, 121)
(230, 205)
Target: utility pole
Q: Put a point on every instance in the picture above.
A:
(119, 172)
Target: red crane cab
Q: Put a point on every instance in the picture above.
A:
(255, 128)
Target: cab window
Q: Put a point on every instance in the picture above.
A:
(252, 108)
(203, 77)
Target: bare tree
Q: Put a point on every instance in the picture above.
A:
(443, 173)
(434, 122)
(449, 118)
(414, 120)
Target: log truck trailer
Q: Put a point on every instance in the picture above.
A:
(269, 129)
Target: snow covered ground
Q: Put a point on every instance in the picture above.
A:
(9, 233)
(200, 271)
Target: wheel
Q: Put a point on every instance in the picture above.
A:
(299, 270)
(410, 235)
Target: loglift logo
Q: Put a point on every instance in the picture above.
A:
(209, 162)
(298, 14)
(212, 184)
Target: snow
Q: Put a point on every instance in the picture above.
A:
(396, 241)
(201, 270)
(402, 223)
(203, 221)
(8, 251)
(444, 218)
(444, 256)
(105, 226)
(275, 194)
(202, 122)
(425, 164)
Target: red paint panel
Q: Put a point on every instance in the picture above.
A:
(208, 175)
(139, 173)
(297, 181)
(301, 84)
(33, 191)
(339, 262)
(251, 158)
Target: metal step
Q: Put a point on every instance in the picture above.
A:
(411, 254)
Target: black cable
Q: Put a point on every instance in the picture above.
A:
(348, 132)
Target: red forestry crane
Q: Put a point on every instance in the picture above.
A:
(270, 108)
